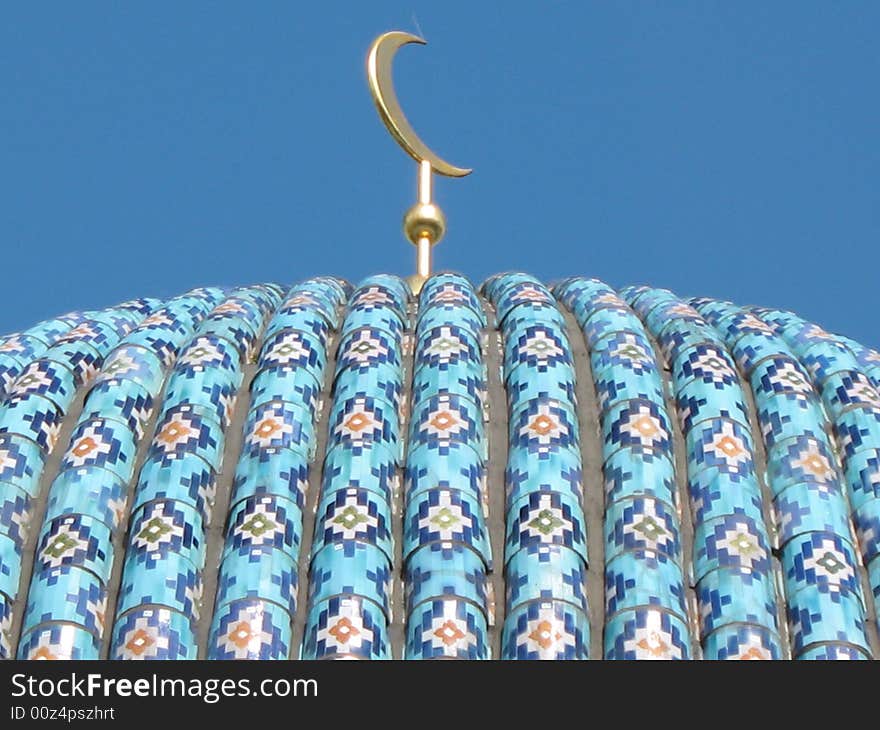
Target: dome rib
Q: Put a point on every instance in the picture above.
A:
(447, 553)
(852, 404)
(39, 407)
(349, 603)
(734, 573)
(546, 613)
(825, 608)
(646, 611)
(253, 614)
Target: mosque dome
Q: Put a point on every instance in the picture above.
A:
(518, 470)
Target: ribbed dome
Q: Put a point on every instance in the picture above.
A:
(522, 472)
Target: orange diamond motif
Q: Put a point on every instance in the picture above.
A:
(139, 642)
(443, 421)
(753, 653)
(729, 446)
(358, 422)
(449, 633)
(241, 634)
(653, 644)
(372, 296)
(266, 428)
(344, 630)
(528, 294)
(84, 446)
(450, 295)
(542, 425)
(545, 635)
(815, 464)
(172, 432)
(44, 654)
(645, 426)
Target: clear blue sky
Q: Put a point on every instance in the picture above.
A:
(728, 149)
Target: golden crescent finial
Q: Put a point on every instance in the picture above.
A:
(379, 61)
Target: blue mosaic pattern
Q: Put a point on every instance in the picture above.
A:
(646, 615)
(52, 361)
(843, 373)
(257, 585)
(160, 594)
(346, 627)
(447, 554)
(733, 573)
(407, 448)
(446, 629)
(544, 485)
(352, 552)
(250, 629)
(788, 363)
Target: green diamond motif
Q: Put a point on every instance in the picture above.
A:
(546, 522)
(830, 562)
(60, 545)
(154, 530)
(258, 525)
(349, 518)
(650, 528)
(285, 349)
(631, 351)
(445, 518)
(744, 543)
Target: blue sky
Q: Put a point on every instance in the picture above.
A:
(727, 149)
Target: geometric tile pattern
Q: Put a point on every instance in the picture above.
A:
(758, 550)
(734, 576)
(788, 362)
(544, 460)
(447, 555)
(352, 554)
(254, 607)
(105, 439)
(40, 370)
(646, 615)
(161, 591)
(844, 374)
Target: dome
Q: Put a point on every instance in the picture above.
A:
(516, 471)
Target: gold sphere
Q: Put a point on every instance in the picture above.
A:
(424, 220)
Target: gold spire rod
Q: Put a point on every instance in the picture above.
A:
(424, 224)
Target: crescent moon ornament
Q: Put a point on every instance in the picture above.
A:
(424, 224)
(379, 61)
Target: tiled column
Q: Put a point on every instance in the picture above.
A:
(826, 613)
(546, 547)
(646, 612)
(159, 597)
(30, 420)
(734, 573)
(446, 549)
(257, 585)
(352, 551)
(844, 374)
